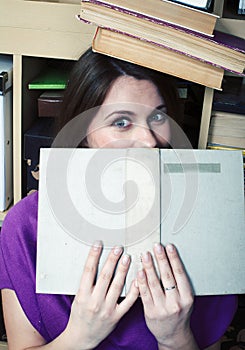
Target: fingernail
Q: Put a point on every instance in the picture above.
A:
(97, 245)
(145, 257)
(170, 248)
(125, 259)
(158, 248)
(136, 283)
(117, 251)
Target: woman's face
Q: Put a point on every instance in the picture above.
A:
(133, 114)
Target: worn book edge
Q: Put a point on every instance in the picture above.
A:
(157, 57)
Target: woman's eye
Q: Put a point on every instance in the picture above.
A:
(158, 117)
(122, 123)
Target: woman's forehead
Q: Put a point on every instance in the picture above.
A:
(127, 89)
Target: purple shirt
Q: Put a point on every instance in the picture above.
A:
(49, 314)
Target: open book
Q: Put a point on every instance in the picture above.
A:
(136, 197)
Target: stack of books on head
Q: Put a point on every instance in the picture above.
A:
(166, 36)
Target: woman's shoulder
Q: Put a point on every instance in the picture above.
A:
(22, 216)
(24, 208)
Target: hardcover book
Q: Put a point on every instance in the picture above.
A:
(227, 129)
(156, 11)
(157, 57)
(135, 197)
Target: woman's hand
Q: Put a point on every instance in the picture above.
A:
(167, 301)
(95, 311)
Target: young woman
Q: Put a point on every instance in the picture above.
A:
(166, 316)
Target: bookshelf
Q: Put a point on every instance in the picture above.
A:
(235, 25)
(36, 32)
(40, 31)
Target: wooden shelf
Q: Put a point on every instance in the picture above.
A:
(36, 30)
(43, 29)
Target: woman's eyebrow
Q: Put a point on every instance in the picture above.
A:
(131, 113)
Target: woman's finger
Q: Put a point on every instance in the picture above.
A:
(118, 281)
(105, 277)
(167, 275)
(90, 268)
(129, 300)
(182, 281)
(144, 290)
(152, 279)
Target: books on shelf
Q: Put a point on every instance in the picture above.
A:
(232, 97)
(156, 57)
(156, 195)
(156, 11)
(216, 146)
(223, 50)
(227, 124)
(227, 129)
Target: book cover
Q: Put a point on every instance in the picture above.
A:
(136, 197)
(158, 11)
(156, 57)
